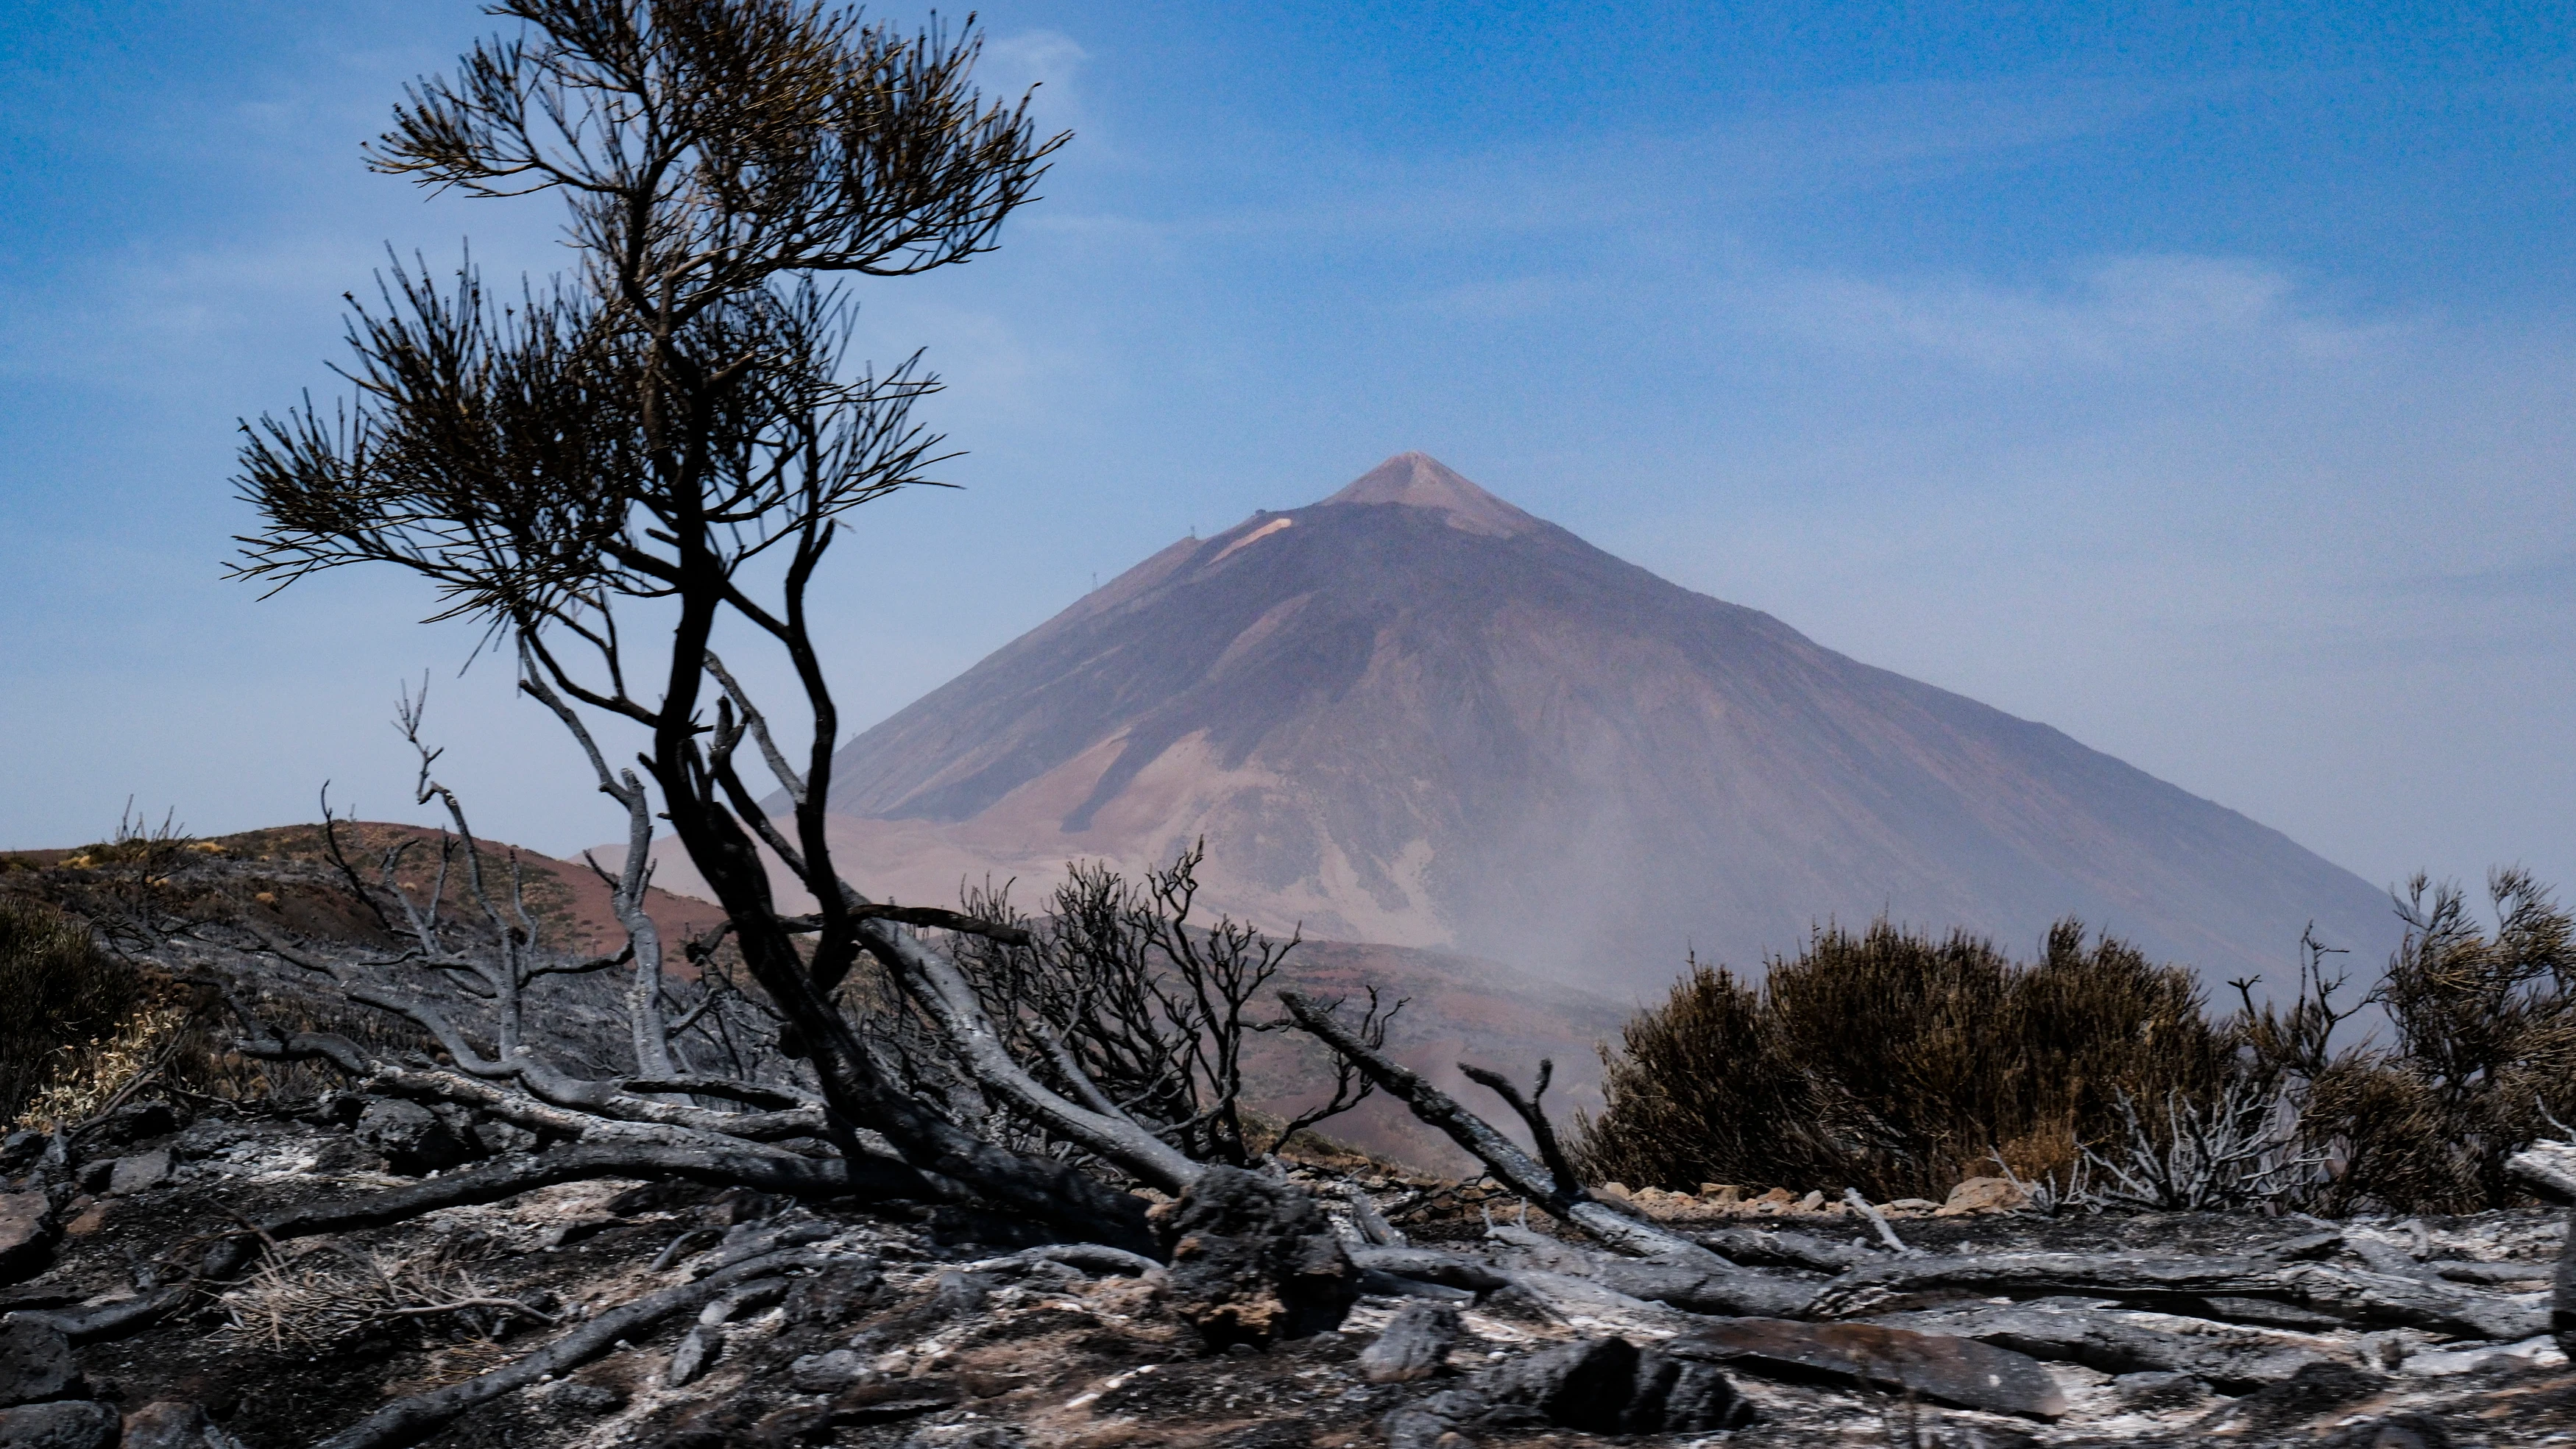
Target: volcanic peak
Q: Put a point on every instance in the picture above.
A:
(1418, 480)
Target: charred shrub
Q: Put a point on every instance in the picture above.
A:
(1896, 1062)
(1156, 1010)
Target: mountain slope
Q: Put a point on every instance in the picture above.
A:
(1415, 714)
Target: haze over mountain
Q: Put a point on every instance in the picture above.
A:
(1414, 714)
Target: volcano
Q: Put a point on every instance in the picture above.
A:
(1414, 714)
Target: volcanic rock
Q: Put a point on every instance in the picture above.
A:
(1983, 1195)
(1411, 1347)
(72, 1424)
(1254, 1263)
(173, 1424)
(35, 1364)
(27, 1234)
(138, 1171)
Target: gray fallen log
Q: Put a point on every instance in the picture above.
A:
(1093, 1258)
(1371, 1223)
(1740, 1293)
(1374, 1284)
(1691, 1286)
(508, 1177)
(2205, 1284)
(1950, 1369)
(1431, 1265)
(2085, 1332)
(1772, 1248)
(2259, 1312)
(2476, 1272)
(1584, 1302)
(108, 1320)
(2548, 1169)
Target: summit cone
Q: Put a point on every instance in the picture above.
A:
(1414, 714)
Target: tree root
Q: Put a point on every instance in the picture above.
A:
(811, 1177)
(110, 1320)
(408, 1421)
(2198, 1286)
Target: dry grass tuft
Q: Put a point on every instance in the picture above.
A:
(91, 1082)
(319, 1297)
(69, 1003)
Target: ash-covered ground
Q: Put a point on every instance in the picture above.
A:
(925, 1326)
(154, 1297)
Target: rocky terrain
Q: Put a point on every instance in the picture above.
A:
(304, 1258)
(834, 1323)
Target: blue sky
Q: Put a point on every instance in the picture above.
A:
(2194, 380)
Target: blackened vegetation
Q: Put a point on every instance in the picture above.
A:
(1117, 988)
(1902, 1064)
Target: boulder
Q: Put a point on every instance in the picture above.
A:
(493, 1137)
(137, 1122)
(135, 1173)
(2403, 1430)
(1584, 1385)
(1255, 1261)
(1983, 1195)
(35, 1364)
(412, 1138)
(1413, 1346)
(1677, 1396)
(27, 1235)
(65, 1424)
(588, 1398)
(20, 1149)
(827, 1373)
(1593, 1386)
(171, 1424)
(1432, 1423)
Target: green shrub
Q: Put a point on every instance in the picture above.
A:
(1896, 1063)
(2481, 1055)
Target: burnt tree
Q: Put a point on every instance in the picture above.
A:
(618, 467)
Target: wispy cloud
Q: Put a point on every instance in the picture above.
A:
(2216, 312)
